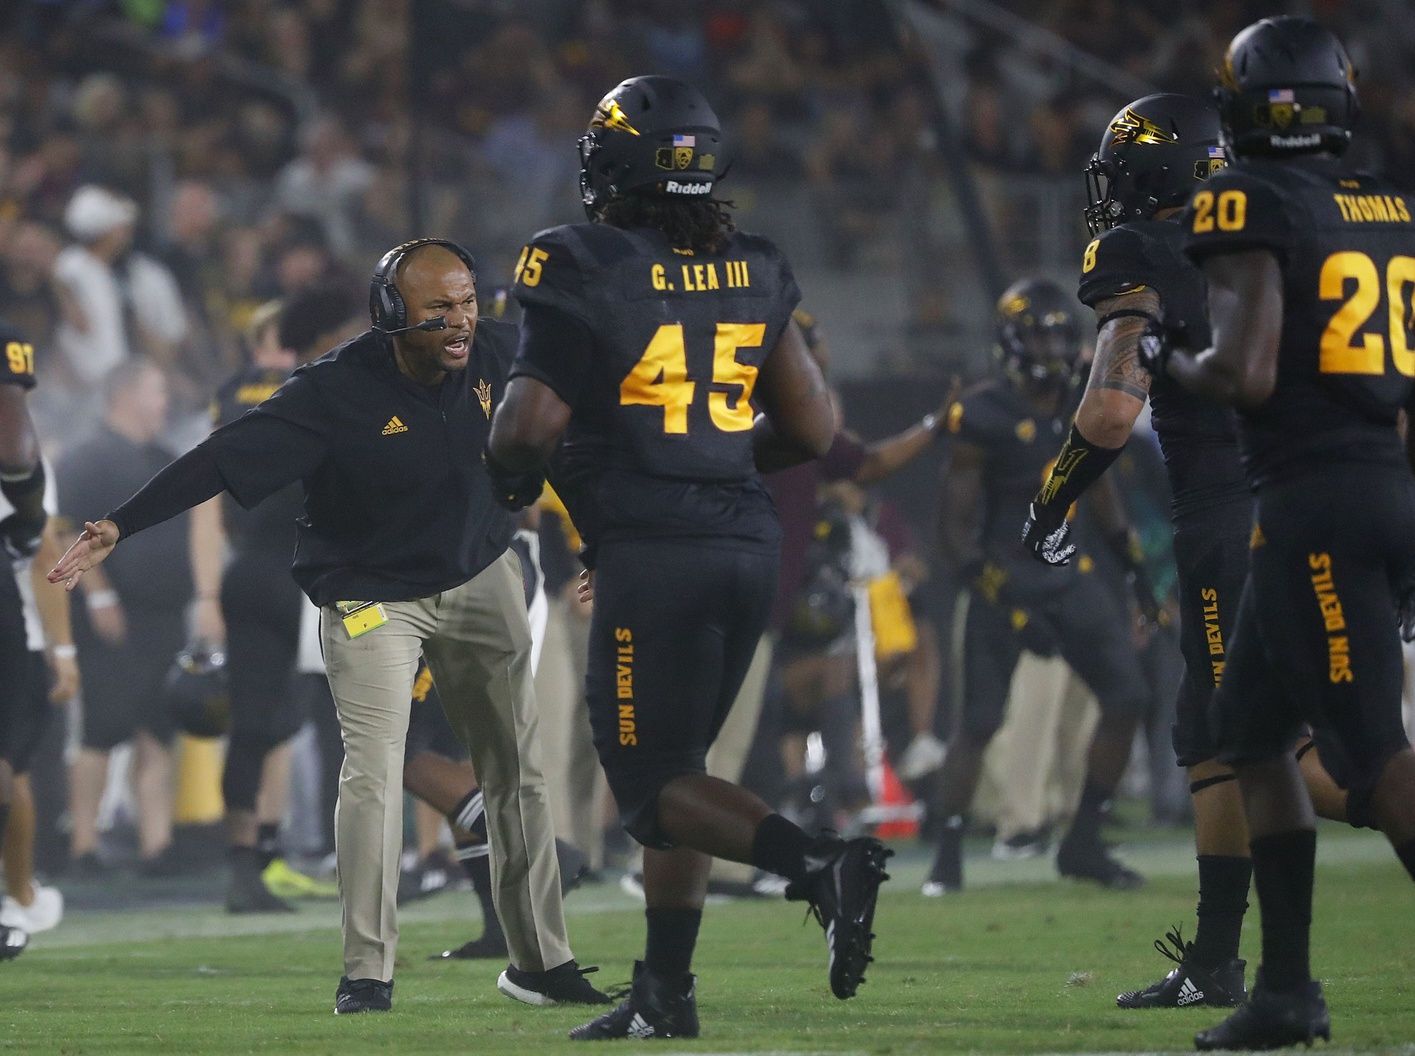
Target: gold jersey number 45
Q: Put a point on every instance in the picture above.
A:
(660, 377)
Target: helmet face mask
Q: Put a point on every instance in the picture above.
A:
(1038, 335)
(587, 146)
(1046, 350)
(1103, 211)
(1153, 153)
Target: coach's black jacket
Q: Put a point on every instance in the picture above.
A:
(398, 504)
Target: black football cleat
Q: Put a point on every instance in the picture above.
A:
(564, 984)
(1271, 1020)
(658, 1005)
(1092, 860)
(1190, 983)
(362, 995)
(12, 942)
(842, 887)
(490, 947)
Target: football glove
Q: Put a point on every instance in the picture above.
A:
(514, 491)
(1154, 348)
(1047, 534)
(20, 536)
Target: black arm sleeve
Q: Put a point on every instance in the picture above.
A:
(187, 482)
(555, 349)
(1079, 465)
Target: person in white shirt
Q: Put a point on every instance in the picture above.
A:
(115, 298)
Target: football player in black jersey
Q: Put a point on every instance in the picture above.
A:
(22, 483)
(1310, 266)
(1006, 430)
(648, 336)
(1154, 154)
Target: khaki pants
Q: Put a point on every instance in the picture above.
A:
(1035, 766)
(478, 644)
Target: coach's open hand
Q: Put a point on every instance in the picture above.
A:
(89, 550)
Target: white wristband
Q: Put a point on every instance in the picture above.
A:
(63, 652)
(101, 599)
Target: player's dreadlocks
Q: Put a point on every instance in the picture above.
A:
(701, 225)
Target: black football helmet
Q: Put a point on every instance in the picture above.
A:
(1152, 154)
(650, 135)
(197, 691)
(1287, 86)
(1038, 334)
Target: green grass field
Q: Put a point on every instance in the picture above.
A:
(1020, 963)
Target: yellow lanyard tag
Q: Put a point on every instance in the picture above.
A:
(360, 617)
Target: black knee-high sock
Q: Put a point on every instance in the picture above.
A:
(4, 818)
(475, 859)
(1283, 864)
(672, 937)
(1406, 853)
(780, 847)
(1223, 899)
(470, 814)
(267, 842)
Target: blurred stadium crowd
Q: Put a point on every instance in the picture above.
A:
(168, 167)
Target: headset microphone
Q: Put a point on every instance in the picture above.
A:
(437, 322)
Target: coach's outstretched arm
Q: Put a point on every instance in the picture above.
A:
(253, 457)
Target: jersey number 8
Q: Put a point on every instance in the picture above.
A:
(660, 377)
(1338, 354)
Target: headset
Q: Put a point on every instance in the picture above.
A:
(385, 304)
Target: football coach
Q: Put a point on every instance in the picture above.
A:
(405, 551)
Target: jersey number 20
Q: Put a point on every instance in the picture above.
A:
(1339, 355)
(660, 377)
